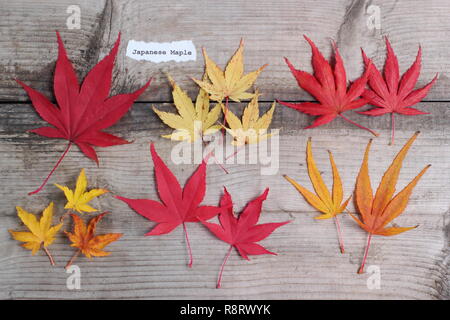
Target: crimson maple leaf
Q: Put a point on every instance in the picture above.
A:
(392, 94)
(178, 205)
(83, 111)
(329, 87)
(242, 232)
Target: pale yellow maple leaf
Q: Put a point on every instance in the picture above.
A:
(191, 122)
(79, 198)
(41, 233)
(252, 128)
(231, 83)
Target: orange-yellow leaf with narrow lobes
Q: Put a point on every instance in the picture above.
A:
(376, 212)
(41, 233)
(232, 83)
(84, 238)
(329, 204)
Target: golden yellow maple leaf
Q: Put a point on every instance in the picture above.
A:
(84, 238)
(192, 122)
(252, 128)
(231, 83)
(79, 198)
(41, 233)
(329, 204)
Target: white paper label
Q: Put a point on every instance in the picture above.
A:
(179, 51)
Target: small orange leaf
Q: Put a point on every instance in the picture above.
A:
(84, 238)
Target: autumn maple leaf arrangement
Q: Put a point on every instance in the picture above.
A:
(181, 206)
(390, 94)
(376, 212)
(328, 85)
(82, 112)
(42, 233)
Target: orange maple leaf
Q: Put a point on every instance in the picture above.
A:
(84, 238)
(376, 212)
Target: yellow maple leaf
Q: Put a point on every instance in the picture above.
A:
(252, 128)
(329, 204)
(192, 122)
(78, 199)
(41, 233)
(231, 83)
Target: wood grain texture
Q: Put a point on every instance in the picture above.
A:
(271, 29)
(414, 265)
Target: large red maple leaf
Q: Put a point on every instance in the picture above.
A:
(392, 94)
(242, 232)
(178, 205)
(82, 111)
(329, 87)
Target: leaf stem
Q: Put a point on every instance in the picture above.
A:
(358, 125)
(219, 280)
(52, 262)
(53, 170)
(225, 115)
(393, 128)
(212, 154)
(340, 234)
(73, 258)
(236, 152)
(64, 216)
(191, 260)
(361, 269)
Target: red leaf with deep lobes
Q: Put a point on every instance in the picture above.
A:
(329, 86)
(82, 112)
(242, 232)
(392, 94)
(178, 205)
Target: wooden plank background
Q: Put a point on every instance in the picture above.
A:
(414, 265)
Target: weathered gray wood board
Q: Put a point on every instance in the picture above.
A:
(414, 265)
(271, 29)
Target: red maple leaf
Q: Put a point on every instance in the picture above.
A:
(392, 94)
(242, 232)
(178, 205)
(329, 87)
(83, 111)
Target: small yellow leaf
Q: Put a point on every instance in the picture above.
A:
(41, 233)
(78, 200)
